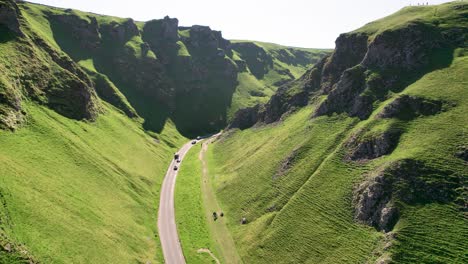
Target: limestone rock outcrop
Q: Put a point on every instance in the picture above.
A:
(405, 181)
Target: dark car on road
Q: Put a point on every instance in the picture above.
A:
(176, 168)
(194, 142)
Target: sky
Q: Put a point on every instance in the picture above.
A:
(300, 23)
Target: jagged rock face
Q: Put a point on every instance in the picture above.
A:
(9, 14)
(241, 65)
(71, 97)
(408, 107)
(121, 32)
(203, 38)
(72, 94)
(11, 112)
(351, 84)
(245, 118)
(147, 77)
(350, 50)
(407, 48)
(385, 65)
(169, 29)
(257, 59)
(279, 104)
(373, 203)
(83, 32)
(142, 77)
(374, 147)
(59, 83)
(161, 32)
(313, 76)
(406, 181)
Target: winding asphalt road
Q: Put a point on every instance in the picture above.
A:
(167, 227)
(166, 217)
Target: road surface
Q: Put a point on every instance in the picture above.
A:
(167, 227)
(166, 217)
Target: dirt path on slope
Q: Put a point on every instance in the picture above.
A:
(205, 250)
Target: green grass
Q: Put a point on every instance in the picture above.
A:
(191, 220)
(427, 14)
(249, 92)
(304, 214)
(84, 192)
(288, 63)
(182, 50)
(184, 33)
(38, 22)
(88, 64)
(294, 215)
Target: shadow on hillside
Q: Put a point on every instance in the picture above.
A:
(5, 34)
(63, 36)
(438, 59)
(173, 90)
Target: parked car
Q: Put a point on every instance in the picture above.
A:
(194, 142)
(176, 156)
(178, 160)
(198, 138)
(176, 168)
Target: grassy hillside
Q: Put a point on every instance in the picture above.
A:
(268, 66)
(302, 212)
(93, 115)
(299, 185)
(80, 177)
(83, 192)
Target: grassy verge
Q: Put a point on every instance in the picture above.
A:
(192, 224)
(195, 203)
(222, 236)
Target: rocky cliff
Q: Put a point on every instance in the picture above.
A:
(368, 66)
(41, 73)
(158, 70)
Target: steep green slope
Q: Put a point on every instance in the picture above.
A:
(373, 168)
(79, 178)
(82, 192)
